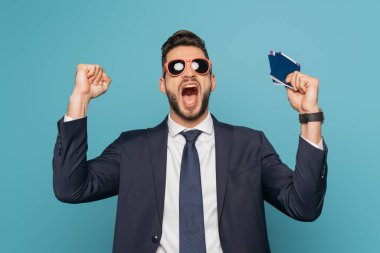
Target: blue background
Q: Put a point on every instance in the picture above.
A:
(43, 41)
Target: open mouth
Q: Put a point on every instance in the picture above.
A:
(189, 94)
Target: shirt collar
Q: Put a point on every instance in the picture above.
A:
(205, 126)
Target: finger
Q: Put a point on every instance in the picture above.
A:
(106, 81)
(106, 78)
(290, 93)
(299, 83)
(105, 85)
(303, 83)
(293, 80)
(99, 76)
(289, 77)
(91, 69)
(94, 70)
(98, 70)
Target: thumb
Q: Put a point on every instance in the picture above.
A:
(289, 92)
(106, 78)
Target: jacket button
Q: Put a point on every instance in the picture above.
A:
(155, 239)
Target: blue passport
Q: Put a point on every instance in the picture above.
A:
(281, 65)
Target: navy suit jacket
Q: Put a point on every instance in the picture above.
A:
(248, 171)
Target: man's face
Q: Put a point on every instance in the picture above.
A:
(188, 93)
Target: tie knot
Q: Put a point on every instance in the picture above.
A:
(192, 135)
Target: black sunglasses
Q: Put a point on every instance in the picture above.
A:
(175, 67)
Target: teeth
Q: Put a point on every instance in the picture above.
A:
(190, 86)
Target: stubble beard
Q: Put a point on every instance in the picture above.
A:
(189, 114)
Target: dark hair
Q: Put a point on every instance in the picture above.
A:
(182, 38)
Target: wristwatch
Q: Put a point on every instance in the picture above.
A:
(309, 117)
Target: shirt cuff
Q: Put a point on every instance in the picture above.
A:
(319, 145)
(68, 118)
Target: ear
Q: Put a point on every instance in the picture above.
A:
(213, 82)
(162, 85)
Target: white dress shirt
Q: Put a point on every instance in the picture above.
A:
(205, 145)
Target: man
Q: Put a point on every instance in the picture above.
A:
(192, 183)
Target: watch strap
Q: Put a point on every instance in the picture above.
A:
(311, 117)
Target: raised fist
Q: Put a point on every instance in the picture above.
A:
(91, 80)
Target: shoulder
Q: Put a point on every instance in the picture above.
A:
(141, 135)
(134, 134)
(245, 142)
(242, 131)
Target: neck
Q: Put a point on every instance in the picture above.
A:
(187, 123)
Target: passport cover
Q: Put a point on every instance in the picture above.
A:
(281, 65)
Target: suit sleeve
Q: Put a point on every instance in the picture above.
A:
(76, 180)
(299, 193)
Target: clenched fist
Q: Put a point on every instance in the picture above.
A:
(91, 80)
(304, 99)
(304, 96)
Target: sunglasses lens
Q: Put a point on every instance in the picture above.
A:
(176, 67)
(201, 66)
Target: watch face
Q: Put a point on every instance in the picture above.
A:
(303, 118)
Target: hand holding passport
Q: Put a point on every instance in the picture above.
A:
(281, 66)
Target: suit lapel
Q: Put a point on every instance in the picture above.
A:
(158, 141)
(223, 136)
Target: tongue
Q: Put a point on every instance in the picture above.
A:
(189, 99)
